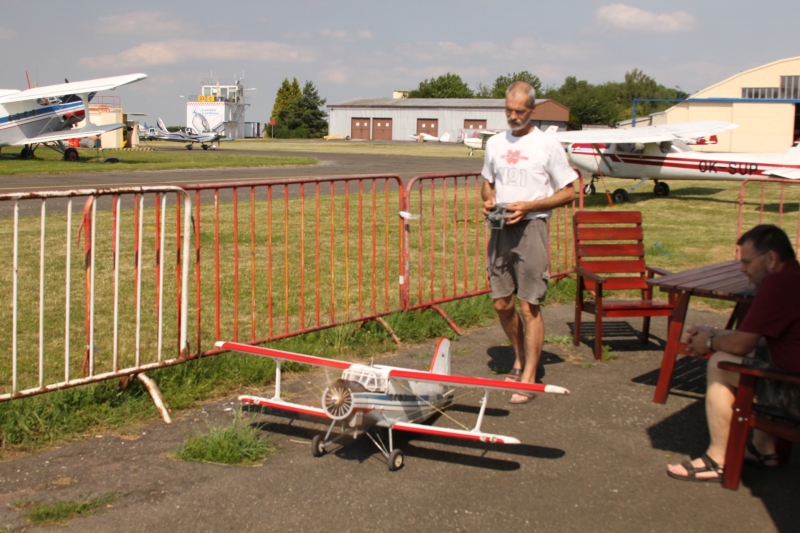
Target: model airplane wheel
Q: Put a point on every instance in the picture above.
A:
(26, 153)
(620, 196)
(188, 146)
(205, 147)
(317, 446)
(70, 154)
(213, 147)
(589, 189)
(661, 189)
(396, 460)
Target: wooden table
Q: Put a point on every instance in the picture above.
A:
(723, 281)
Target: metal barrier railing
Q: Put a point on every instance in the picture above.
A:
(46, 318)
(303, 268)
(774, 204)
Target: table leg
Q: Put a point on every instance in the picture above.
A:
(671, 350)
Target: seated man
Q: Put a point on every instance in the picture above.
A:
(769, 262)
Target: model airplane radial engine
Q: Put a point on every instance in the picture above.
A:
(337, 400)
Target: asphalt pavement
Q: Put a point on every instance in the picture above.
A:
(591, 461)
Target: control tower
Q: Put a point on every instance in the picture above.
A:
(219, 107)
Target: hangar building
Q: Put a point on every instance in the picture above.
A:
(763, 101)
(397, 119)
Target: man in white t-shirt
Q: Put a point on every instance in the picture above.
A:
(528, 170)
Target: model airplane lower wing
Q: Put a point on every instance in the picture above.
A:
(285, 406)
(455, 433)
(790, 173)
(63, 135)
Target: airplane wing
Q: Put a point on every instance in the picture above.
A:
(478, 383)
(79, 87)
(285, 406)
(784, 172)
(456, 433)
(283, 356)
(63, 135)
(646, 134)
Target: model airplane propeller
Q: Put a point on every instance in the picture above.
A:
(369, 397)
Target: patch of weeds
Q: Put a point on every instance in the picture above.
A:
(607, 354)
(562, 340)
(585, 364)
(235, 445)
(60, 512)
(561, 292)
(459, 351)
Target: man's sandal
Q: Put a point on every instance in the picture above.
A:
(768, 460)
(514, 375)
(710, 465)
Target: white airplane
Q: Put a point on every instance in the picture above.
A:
(425, 137)
(663, 153)
(206, 138)
(369, 397)
(46, 115)
(478, 139)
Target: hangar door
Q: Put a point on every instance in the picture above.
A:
(475, 124)
(382, 129)
(428, 125)
(359, 128)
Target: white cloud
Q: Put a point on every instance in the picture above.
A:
(6, 34)
(627, 17)
(344, 36)
(182, 50)
(137, 24)
(339, 75)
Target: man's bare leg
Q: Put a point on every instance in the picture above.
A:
(534, 341)
(512, 325)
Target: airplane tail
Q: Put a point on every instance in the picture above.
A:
(445, 138)
(551, 129)
(161, 126)
(440, 364)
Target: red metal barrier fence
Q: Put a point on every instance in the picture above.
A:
(279, 258)
(770, 201)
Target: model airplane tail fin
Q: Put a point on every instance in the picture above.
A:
(161, 126)
(440, 364)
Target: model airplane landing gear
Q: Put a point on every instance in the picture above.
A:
(26, 153)
(661, 189)
(71, 154)
(396, 460)
(394, 456)
(589, 189)
(188, 146)
(205, 146)
(317, 446)
(620, 196)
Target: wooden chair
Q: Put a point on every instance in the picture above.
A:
(748, 415)
(609, 255)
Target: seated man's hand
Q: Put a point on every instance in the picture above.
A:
(696, 337)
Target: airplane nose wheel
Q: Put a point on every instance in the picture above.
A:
(589, 189)
(396, 460)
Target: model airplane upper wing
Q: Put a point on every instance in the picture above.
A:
(646, 134)
(79, 87)
(63, 135)
(478, 383)
(283, 356)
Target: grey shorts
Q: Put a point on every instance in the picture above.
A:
(518, 261)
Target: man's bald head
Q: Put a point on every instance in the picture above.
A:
(522, 87)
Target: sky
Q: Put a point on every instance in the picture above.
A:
(367, 49)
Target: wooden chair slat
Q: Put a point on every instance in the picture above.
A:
(619, 284)
(634, 233)
(608, 217)
(616, 266)
(610, 250)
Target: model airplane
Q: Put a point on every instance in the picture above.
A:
(368, 397)
(189, 135)
(46, 115)
(662, 152)
(425, 137)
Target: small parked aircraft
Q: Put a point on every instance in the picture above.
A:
(369, 397)
(662, 152)
(478, 139)
(206, 138)
(425, 137)
(46, 115)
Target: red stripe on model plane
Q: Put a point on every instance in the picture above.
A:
(284, 356)
(284, 406)
(464, 381)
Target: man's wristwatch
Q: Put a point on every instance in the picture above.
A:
(710, 343)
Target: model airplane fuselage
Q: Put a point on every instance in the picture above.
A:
(367, 397)
(45, 115)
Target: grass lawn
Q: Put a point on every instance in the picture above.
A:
(410, 148)
(48, 161)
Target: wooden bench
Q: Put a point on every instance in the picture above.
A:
(748, 415)
(609, 254)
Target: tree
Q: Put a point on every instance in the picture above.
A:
(502, 83)
(445, 86)
(303, 118)
(286, 93)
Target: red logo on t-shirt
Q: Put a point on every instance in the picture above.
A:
(513, 157)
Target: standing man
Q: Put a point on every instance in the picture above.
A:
(768, 260)
(528, 170)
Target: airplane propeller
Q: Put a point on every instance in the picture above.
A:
(337, 400)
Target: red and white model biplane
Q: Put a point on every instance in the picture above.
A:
(661, 153)
(368, 397)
